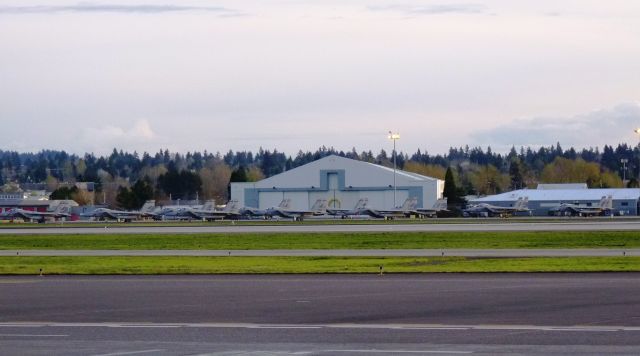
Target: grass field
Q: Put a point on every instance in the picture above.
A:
(381, 240)
(227, 265)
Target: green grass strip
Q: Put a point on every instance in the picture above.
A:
(378, 240)
(260, 265)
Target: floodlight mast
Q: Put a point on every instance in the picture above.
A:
(637, 131)
(394, 137)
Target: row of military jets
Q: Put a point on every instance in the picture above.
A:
(603, 208)
(61, 212)
(233, 210)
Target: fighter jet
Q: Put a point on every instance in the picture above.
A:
(407, 209)
(604, 207)
(440, 205)
(185, 212)
(283, 210)
(208, 212)
(344, 213)
(488, 210)
(122, 215)
(62, 211)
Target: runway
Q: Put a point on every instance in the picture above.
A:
(322, 314)
(586, 225)
(340, 253)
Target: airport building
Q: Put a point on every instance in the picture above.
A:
(342, 182)
(626, 201)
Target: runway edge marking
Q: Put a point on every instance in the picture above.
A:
(426, 327)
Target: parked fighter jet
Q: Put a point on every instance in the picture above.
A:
(604, 207)
(62, 211)
(440, 205)
(284, 210)
(407, 209)
(122, 215)
(488, 210)
(230, 211)
(344, 213)
(185, 212)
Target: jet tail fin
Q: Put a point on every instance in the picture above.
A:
(606, 202)
(319, 206)
(409, 204)
(232, 205)
(362, 203)
(285, 204)
(441, 204)
(148, 206)
(522, 203)
(209, 205)
(64, 207)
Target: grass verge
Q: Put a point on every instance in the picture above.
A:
(378, 240)
(275, 265)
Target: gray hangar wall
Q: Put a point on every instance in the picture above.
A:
(342, 182)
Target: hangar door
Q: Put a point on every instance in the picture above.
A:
(334, 201)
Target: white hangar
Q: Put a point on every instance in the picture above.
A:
(342, 182)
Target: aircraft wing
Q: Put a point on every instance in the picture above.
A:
(252, 212)
(115, 215)
(374, 213)
(282, 213)
(334, 211)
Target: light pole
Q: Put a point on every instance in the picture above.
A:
(624, 169)
(394, 137)
(638, 177)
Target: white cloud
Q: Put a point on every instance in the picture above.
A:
(110, 8)
(597, 128)
(104, 139)
(433, 9)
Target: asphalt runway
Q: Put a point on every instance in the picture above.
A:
(577, 252)
(586, 225)
(322, 314)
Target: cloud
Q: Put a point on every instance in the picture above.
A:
(103, 139)
(436, 9)
(597, 128)
(114, 8)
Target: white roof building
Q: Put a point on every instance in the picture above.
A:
(556, 186)
(342, 181)
(625, 200)
(563, 195)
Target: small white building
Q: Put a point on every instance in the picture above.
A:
(342, 182)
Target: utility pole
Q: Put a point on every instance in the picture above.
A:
(638, 132)
(394, 137)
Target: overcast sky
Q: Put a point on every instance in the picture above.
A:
(218, 75)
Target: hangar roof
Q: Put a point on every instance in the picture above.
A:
(357, 173)
(564, 194)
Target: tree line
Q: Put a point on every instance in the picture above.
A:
(127, 178)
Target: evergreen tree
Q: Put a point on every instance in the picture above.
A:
(515, 172)
(63, 193)
(451, 192)
(239, 175)
(142, 191)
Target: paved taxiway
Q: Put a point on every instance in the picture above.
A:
(586, 225)
(322, 314)
(340, 253)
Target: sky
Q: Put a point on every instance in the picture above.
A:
(298, 74)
